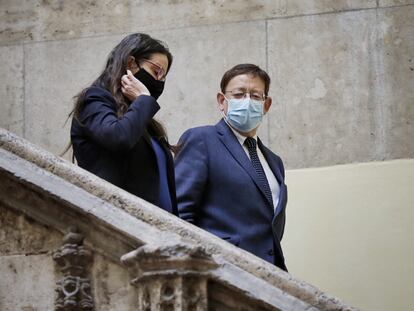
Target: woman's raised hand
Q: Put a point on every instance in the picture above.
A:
(131, 87)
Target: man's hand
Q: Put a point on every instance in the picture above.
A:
(132, 87)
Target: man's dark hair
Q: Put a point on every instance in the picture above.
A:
(242, 69)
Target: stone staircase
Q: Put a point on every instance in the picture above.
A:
(72, 241)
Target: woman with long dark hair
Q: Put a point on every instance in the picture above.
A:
(113, 132)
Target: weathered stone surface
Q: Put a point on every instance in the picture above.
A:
(396, 80)
(173, 276)
(40, 202)
(27, 282)
(352, 102)
(386, 3)
(202, 55)
(111, 284)
(223, 299)
(65, 68)
(12, 88)
(322, 70)
(56, 20)
(20, 235)
(301, 7)
(37, 242)
(73, 260)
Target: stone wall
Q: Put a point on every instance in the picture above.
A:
(29, 273)
(24, 261)
(342, 70)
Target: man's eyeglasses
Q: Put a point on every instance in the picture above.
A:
(239, 94)
(157, 69)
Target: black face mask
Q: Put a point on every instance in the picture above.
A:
(154, 86)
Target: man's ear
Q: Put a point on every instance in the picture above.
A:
(267, 104)
(132, 64)
(221, 102)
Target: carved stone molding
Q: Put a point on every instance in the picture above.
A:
(74, 288)
(171, 277)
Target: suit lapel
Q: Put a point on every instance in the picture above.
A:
(236, 150)
(277, 171)
(271, 160)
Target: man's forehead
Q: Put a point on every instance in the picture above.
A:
(246, 80)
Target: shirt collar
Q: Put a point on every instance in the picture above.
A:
(239, 136)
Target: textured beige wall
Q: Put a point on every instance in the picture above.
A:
(28, 273)
(342, 70)
(350, 232)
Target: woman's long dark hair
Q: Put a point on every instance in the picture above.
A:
(141, 46)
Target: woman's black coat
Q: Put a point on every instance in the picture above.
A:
(119, 150)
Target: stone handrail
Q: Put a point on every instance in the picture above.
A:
(146, 233)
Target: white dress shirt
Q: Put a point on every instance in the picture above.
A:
(271, 179)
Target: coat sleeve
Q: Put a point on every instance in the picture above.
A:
(102, 125)
(191, 174)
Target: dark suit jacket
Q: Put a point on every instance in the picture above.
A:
(218, 190)
(119, 150)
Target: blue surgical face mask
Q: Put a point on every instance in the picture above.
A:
(244, 114)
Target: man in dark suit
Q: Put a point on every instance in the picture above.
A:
(228, 182)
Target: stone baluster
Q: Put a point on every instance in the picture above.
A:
(170, 277)
(74, 288)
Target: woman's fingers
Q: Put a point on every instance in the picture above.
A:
(132, 87)
(126, 84)
(130, 75)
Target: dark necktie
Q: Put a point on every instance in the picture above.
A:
(251, 146)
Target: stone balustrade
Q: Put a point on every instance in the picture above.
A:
(111, 250)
